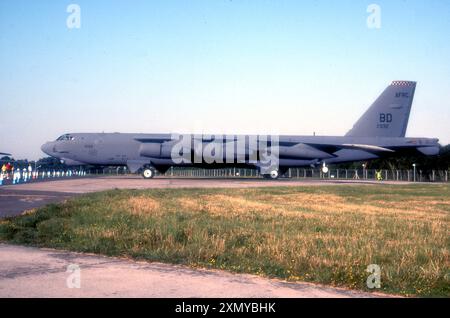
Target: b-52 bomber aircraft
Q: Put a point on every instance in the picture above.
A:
(379, 133)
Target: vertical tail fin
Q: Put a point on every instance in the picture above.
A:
(388, 116)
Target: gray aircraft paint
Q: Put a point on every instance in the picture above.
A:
(388, 115)
(380, 132)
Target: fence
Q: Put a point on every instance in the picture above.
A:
(24, 175)
(295, 173)
(311, 173)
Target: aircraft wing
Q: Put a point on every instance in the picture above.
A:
(153, 139)
(368, 148)
(157, 146)
(327, 150)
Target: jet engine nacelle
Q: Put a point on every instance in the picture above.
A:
(303, 151)
(155, 150)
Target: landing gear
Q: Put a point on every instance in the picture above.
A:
(148, 173)
(273, 174)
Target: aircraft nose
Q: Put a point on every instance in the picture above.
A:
(46, 148)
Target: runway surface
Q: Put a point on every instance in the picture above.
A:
(34, 272)
(14, 199)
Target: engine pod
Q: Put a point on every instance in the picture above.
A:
(152, 150)
(303, 151)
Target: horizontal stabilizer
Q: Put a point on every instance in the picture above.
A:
(429, 151)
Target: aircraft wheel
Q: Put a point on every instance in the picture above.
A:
(148, 173)
(274, 174)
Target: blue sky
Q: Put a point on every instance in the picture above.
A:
(215, 66)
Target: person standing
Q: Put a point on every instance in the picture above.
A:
(3, 171)
(378, 175)
(24, 174)
(9, 168)
(30, 171)
(16, 175)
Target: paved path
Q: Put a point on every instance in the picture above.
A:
(83, 185)
(15, 201)
(34, 272)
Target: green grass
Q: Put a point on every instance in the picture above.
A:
(327, 234)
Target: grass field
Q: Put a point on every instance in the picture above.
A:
(327, 234)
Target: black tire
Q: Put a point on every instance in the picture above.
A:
(148, 173)
(273, 175)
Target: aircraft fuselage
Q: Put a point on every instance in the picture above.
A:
(294, 151)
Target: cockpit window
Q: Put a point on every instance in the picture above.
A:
(65, 137)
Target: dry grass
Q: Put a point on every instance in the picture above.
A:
(320, 234)
(140, 205)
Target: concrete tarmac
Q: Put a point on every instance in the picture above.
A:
(15, 201)
(93, 184)
(34, 272)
